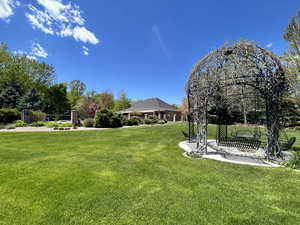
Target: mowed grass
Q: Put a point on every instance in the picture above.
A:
(134, 176)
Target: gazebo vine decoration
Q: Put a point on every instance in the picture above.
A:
(241, 75)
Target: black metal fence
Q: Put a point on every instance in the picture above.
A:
(59, 117)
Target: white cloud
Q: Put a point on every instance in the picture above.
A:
(64, 20)
(6, 8)
(65, 13)
(38, 50)
(84, 35)
(40, 20)
(269, 45)
(85, 50)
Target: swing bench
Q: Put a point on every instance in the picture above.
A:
(242, 139)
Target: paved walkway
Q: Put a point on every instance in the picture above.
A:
(214, 155)
(46, 129)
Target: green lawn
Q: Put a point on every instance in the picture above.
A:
(134, 176)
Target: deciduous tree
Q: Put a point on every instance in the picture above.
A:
(56, 99)
(105, 100)
(122, 102)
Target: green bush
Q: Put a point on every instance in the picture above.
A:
(294, 162)
(38, 124)
(36, 116)
(20, 123)
(65, 125)
(107, 119)
(147, 121)
(153, 121)
(132, 121)
(52, 124)
(9, 115)
(57, 125)
(116, 121)
(88, 122)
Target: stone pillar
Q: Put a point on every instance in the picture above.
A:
(25, 117)
(159, 115)
(74, 117)
(174, 117)
(146, 116)
(165, 116)
(129, 116)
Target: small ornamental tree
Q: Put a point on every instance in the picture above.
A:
(107, 119)
(82, 107)
(92, 109)
(105, 100)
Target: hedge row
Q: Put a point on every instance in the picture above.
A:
(9, 115)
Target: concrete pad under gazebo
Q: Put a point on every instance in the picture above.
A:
(153, 107)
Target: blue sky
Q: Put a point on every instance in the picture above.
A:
(143, 47)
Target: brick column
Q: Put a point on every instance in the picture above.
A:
(25, 117)
(74, 117)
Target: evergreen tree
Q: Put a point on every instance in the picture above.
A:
(31, 100)
(9, 96)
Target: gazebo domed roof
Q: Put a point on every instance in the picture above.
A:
(243, 63)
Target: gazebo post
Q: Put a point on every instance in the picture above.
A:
(272, 127)
(205, 127)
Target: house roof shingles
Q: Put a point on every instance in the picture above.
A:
(150, 105)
